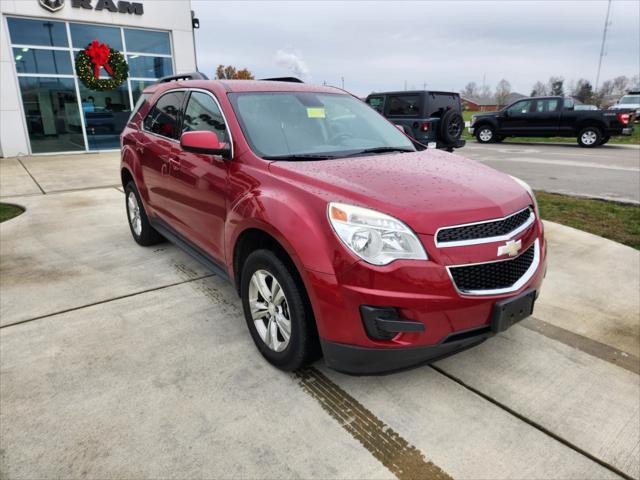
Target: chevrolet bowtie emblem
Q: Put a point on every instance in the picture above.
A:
(511, 248)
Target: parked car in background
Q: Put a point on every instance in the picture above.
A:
(552, 117)
(424, 115)
(339, 234)
(629, 101)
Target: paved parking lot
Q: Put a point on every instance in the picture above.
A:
(122, 361)
(611, 171)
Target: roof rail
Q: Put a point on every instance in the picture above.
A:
(282, 79)
(183, 76)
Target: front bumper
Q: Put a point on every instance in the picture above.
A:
(471, 130)
(356, 360)
(421, 293)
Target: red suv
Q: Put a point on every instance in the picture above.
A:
(341, 236)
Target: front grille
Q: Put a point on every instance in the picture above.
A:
(492, 276)
(491, 228)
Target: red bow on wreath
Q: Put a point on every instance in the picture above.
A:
(99, 54)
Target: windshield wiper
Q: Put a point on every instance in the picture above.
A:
(300, 156)
(379, 150)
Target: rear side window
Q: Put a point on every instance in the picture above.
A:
(438, 103)
(164, 116)
(545, 106)
(377, 103)
(202, 113)
(143, 98)
(568, 104)
(404, 105)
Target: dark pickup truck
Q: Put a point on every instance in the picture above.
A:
(552, 117)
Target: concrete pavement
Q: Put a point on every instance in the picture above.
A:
(122, 361)
(610, 172)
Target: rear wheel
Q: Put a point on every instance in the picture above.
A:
(143, 233)
(280, 321)
(589, 137)
(485, 134)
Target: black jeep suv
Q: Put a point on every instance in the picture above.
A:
(424, 115)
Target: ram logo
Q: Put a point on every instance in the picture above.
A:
(52, 5)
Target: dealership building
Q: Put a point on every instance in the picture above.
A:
(45, 106)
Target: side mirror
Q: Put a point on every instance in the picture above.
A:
(205, 142)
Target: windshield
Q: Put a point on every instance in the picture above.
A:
(630, 99)
(295, 125)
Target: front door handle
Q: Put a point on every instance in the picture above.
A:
(175, 164)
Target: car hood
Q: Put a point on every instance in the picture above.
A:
(426, 190)
(628, 106)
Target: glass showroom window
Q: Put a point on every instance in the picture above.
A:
(61, 114)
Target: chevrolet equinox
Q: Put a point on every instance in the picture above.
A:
(343, 237)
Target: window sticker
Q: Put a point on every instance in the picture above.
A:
(315, 112)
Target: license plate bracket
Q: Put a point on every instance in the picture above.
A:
(512, 310)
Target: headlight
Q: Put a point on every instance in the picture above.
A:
(373, 236)
(528, 188)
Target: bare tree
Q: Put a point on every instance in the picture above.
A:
(503, 89)
(539, 89)
(485, 91)
(470, 90)
(583, 91)
(620, 85)
(556, 86)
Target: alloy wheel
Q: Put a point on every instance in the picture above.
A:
(485, 134)
(589, 137)
(270, 310)
(455, 128)
(134, 213)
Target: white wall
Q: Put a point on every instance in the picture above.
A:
(174, 15)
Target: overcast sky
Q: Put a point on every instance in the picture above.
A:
(380, 45)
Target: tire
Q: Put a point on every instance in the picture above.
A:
(604, 140)
(451, 127)
(291, 307)
(589, 137)
(141, 230)
(485, 134)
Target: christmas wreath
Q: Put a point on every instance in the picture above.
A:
(96, 56)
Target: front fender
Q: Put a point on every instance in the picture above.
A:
(298, 224)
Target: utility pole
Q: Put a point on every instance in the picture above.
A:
(604, 39)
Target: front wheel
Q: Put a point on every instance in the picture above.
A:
(589, 137)
(485, 134)
(143, 233)
(279, 318)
